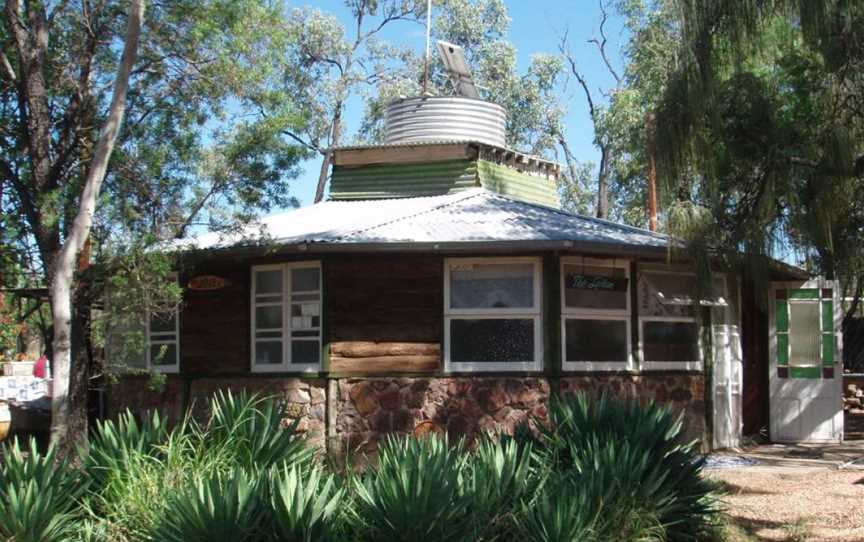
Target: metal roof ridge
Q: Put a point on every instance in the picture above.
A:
(582, 217)
(464, 195)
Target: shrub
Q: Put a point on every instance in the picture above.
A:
(251, 429)
(416, 493)
(38, 495)
(629, 456)
(112, 444)
(215, 508)
(305, 510)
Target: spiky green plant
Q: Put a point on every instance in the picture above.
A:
(252, 429)
(306, 505)
(559, 513)
(215, 508)
(113, 443)
(38, 495)
(416, 493)
(631, 455)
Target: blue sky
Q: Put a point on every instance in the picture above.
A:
(536, 28)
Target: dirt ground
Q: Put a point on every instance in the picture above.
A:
(796, 493)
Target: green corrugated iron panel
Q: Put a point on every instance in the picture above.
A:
(510, 182)
(403, 180)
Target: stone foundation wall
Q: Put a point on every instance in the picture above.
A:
(354, 413)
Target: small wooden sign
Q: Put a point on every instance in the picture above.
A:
(207, 282)
(578, 281)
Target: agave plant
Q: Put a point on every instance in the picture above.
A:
(306, 505)
(215, 508)
(416, 493)
(559, 513)
(38, 495)
(113, 443)
(502, 472)
(252, 429)
(631, 457)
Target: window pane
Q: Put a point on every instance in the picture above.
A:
(268, 317)
(491, 340)
(665, 294)
(268, 353)
(305, 279)
(804, 334)
(595, 287)
(671, 341)
(268, 282)
(163, 354)
(305, 352)
(596, 340)
(482, 286)
(163, 323)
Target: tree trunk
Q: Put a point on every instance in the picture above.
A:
(60, 288)
(602, 185)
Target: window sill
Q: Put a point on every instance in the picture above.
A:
(595, 366)
(691, 366)
(482, 367)
(287, 369)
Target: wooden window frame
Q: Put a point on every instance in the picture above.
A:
(287, 340)
(534, 313)
(692, 365)
(578, 313)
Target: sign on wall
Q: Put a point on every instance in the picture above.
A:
(207, 282)
(579, 281)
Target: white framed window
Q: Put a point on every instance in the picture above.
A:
(492, 314)
(595, 314)
(669, 329)
(160, 351)
(286, 317)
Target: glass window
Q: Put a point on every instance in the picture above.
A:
(805, 346)
(287, 340)
(596, 340)
(492, 314)
(670, 341)
(491, 286)
(491, 340)
(595, 287)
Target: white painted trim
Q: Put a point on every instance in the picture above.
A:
(534, 313)
(286, 340)
(576, 313)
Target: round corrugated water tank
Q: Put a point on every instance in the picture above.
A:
(437, 118)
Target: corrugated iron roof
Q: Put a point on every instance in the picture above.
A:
(470, 216)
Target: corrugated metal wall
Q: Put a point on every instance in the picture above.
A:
(509, 182)
(402, 180)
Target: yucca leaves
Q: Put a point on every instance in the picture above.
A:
(305, 506)
(251, 428)
(216, 508)
(38, 495)
(416, 493)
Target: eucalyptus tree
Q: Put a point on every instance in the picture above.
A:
(533, 98)
(338, 61)
(189, 146)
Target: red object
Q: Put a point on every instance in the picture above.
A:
(40, 370)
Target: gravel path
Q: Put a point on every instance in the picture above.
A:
(794, 503)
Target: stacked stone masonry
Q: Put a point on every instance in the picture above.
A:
(362, 410)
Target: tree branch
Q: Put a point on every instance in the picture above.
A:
(601, 45)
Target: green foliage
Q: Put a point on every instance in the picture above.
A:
(307, 505)
(630, 457)
(38, 495)
(113, 443)
(250, 428)
(416, 492)
(214, 508)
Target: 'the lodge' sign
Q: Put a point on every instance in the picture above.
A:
(578, 281)
(207, 282)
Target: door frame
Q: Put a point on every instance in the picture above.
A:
(775, 382)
